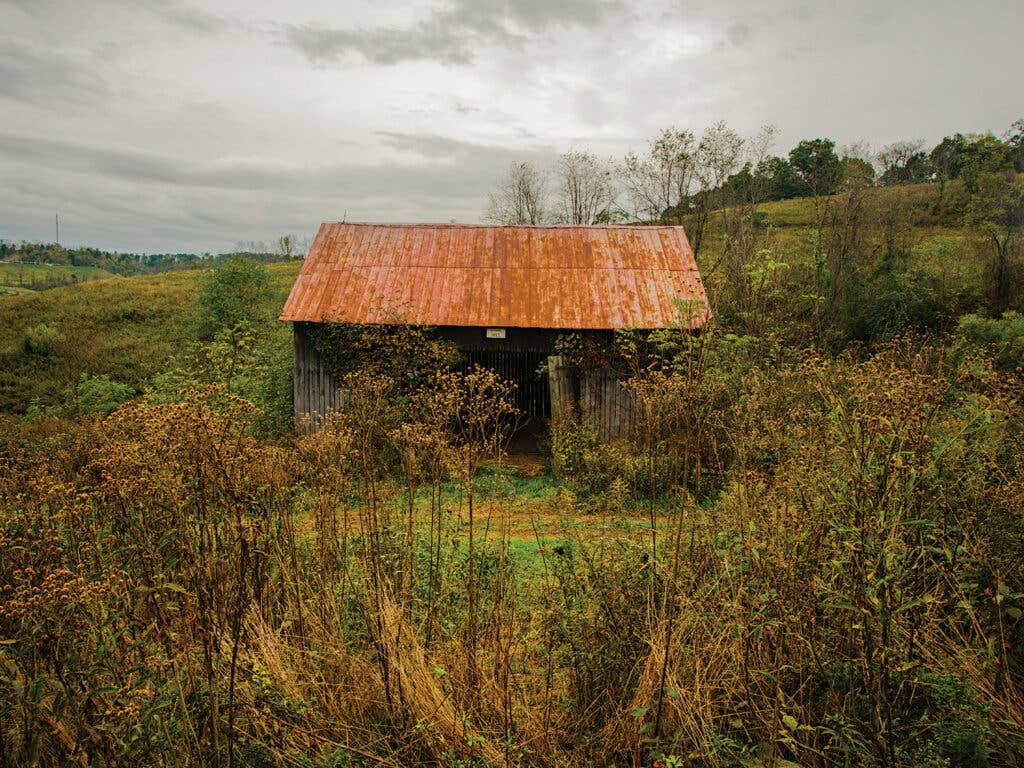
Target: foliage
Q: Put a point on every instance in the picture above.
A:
(1002, 337)
(997, 206)
(411, 356)
(41, 340)
(175, 591)
(230, 295)
(249, 365)
(817, 166)
(97, 394)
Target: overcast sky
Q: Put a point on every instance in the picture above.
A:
(167, 125)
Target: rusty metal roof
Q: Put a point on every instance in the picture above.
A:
(567, 277)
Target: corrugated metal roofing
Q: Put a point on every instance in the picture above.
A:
(519, 277)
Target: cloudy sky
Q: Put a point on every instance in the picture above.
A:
(165, 125)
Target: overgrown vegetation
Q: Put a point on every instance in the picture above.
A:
(806, 552)
(830, 574)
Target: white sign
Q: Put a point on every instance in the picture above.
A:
(495, 333)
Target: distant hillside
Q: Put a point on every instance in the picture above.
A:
(123, 327)
(18, 277)
(127, 264)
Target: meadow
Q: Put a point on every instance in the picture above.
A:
(806, 553)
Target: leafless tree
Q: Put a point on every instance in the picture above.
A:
(521, 197)
(585, 189)
(660, 181)
(717, 158)
(757, 150)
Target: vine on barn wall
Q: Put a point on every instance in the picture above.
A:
(410, 355)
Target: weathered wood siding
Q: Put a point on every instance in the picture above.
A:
(597, 395)
(314, 392)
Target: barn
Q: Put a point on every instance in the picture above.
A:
(503, 294)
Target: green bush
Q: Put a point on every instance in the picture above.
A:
(1003, 338)
(97, 394)
(41, 340)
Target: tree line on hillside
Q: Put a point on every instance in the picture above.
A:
(856, 267)
(284, 248)
(681, 174)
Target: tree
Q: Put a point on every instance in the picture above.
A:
(585, 190)
(1015, 141)
(904, 162)
(778, 177)
(947, 157)
(997, 206)
(286, 246)
(984, 154)
(521, 197)
(659, 182)
(817, 166)
(718, 157)
(857, 172)
(231, 295)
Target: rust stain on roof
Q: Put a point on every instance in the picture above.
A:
(565, 277)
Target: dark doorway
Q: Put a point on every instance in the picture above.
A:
(521, 368)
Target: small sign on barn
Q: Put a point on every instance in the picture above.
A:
(523, 286)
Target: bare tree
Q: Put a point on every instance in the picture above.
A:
(521, 197)
(659, 182)
(585, 189)
(717, 158)
(758, 149)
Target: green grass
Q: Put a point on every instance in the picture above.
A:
(35, 277)
(123, 327)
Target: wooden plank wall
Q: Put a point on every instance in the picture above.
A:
(598, 395)
(314, 392)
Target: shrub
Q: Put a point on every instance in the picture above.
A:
(97, 394)
(41, 340)
(1002, 337)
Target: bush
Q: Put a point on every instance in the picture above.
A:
(1003, 338)
(97, 394)
(41, 340)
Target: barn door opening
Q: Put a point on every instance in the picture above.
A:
(523, 369)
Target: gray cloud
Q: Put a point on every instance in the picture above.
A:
(189, 17)
(212, 204)
(178, 124)
(450, 36)
(433, 39)
(739, 33)
(45, 77)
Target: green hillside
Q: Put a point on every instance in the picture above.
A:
(126, 328)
